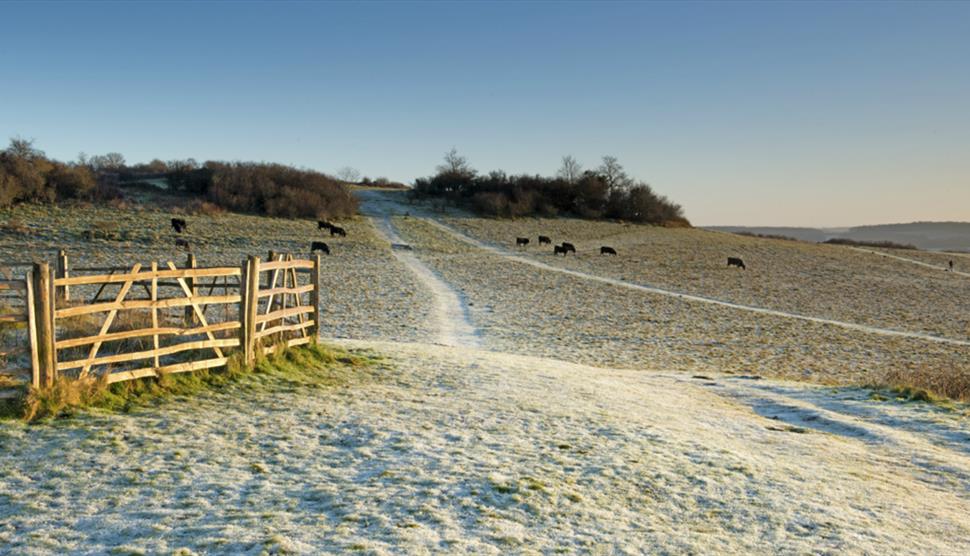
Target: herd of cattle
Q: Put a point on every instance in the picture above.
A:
(180, 225)
(566, 247)
(563, 249)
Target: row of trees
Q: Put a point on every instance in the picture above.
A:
(604, 192)
(28, 175)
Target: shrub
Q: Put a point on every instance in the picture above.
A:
(102, 230)
(271, 189)
(765, 236)
(923, 384)
(590, 196)
(198, 207)
(278, 190)
(72, 182)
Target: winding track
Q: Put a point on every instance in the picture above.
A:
(454, 328)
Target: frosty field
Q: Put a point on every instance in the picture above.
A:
(456, 450)
(525, 403)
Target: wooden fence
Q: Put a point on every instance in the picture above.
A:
(125, 323)
(13, 314)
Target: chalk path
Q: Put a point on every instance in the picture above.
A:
(452, 323)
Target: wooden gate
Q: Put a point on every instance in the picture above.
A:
(136, 322)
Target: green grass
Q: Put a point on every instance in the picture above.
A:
(312, 366)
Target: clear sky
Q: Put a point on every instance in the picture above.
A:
(818, 114)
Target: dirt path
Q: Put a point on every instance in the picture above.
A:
(650, 289)
(452, 324)
(908, 260)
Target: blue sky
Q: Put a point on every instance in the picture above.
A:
(821, 114)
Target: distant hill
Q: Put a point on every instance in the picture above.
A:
(933, 236)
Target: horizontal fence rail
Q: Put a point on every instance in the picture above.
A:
(150, 320)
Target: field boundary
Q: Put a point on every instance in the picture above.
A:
(151, 320)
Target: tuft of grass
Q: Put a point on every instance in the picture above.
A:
(62, 397)
(314, 365)
(102, 230)
(928, 385)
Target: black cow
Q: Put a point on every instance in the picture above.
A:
(179, 225)
(735, 261)
(337, 231)
(545, 240)
(179, 242)
(319, 246)
(324, 225)
(521, 241)
(559, 249)
(605, 250)
(567, 247)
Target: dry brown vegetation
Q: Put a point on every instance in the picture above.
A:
(27, 175)
(863, 243)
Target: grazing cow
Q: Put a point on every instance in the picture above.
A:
(337, 231)
(521, 241)
(545, 240)
(319, 246)
(324, 225)
(179, 242)
(567, 247)
(179, 225)
(557, 249)
(605, 250)
(735, 261)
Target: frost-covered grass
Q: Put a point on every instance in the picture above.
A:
(314, 364)
(523, 309)
(827, 281)
(456, 450)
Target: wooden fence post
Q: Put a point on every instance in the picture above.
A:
(250, 301)
(315, 295)
(244, 310)
(190, 282)
(43, 311)
(154, 296)
(62, 272)
(32, 330)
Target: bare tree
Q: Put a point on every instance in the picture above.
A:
(570, 170)
(24, 148)
(349, 174)
(614, 174)
(455, 164)
(111, 162)
(156, 166)
(186, 165)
